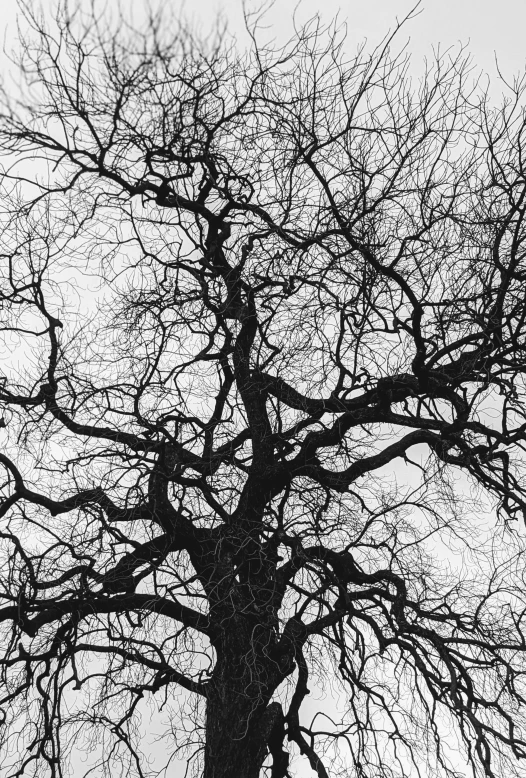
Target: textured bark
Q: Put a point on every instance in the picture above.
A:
(239, 719)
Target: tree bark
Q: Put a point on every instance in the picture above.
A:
(240, 717)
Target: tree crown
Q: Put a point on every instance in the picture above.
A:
(264, 323)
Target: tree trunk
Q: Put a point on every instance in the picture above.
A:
(237, 739)
(239, 719)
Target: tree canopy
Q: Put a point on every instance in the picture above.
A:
(263, 325)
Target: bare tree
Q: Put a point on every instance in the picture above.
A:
(264, 322)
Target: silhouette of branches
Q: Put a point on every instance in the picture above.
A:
(263, 324)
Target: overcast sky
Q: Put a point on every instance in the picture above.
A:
(489, 27)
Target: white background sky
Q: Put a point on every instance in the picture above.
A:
(489, 27)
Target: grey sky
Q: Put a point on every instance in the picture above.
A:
(488, 27)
